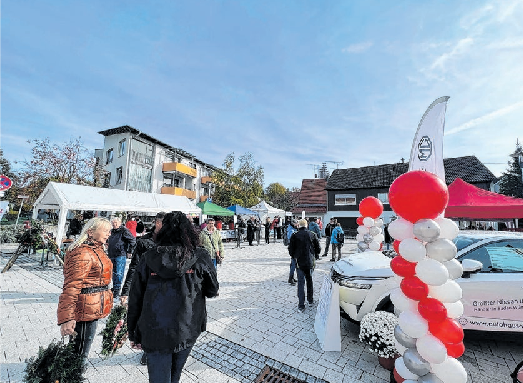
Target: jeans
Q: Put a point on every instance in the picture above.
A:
(118, 271)
(83, 341)
(293, 269)
(302, 277)
(267, 240)
(166, 367)
(327, 244)
(215, 263)
(334, 247)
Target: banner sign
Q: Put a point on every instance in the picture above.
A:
(327, 321)
(427, 148)
(5, 183)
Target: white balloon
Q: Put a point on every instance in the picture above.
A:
(368, 221)
(449, 292)
(450, 371)
(401, 302)
(359, 237)
(454, 310)
(441, 250)
(403, 371)
(454, 267)
(432, 272)
(379, 238)
(374, 246)
(401, 348)
(400, 229)
(413, 324)
(448, 228)
(431, 349)
(426, 229)
(412, 250)
(374, 230)
(378, 222)
(363, 230)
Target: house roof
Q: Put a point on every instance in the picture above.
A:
(130, 129)
(313, 196)
(468, 168)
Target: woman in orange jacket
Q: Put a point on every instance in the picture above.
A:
(86, 296)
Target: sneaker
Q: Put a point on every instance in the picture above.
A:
(292, 282)
(333, 260)
(301, 309)
(324, 255)
(143, 360)
(311, 303)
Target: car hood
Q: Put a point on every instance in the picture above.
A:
(367, 264)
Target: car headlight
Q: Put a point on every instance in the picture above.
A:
(355, 285)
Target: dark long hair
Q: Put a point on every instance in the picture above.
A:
(177, 230)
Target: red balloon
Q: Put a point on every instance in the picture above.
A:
(418, 194)
(455, 350)
(402, 267)
(371, 207)
(359, 221)
(397, 377)
(396, 245)
(432, 310)
(414, 288)
(448, 331)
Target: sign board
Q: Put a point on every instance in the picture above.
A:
(303, 214)
(288, 213)
(23, 196)
(5, 183)
(327, 321)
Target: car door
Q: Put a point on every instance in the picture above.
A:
(493, 297)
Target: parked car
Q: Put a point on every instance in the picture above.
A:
(492, 289)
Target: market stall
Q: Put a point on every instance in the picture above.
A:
(265, 210)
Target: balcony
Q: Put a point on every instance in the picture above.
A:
(171, 167)
(191, 194)
(206, 180)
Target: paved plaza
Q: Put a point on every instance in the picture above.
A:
(253, 323)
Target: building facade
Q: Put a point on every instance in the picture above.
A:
(135, 161)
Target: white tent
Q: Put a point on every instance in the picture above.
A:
(265, 210)
(67, 197)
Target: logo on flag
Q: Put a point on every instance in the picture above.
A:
(424, 148)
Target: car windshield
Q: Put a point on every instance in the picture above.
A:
(461, 242)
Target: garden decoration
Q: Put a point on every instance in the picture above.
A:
(377, 330)
(115, 333)
(369, 235)
(428, 336)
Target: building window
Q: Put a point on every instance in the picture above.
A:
(107, 180)
(119, 175)
(121, 147)
(109, 156)
(384, 198)
(345, 199)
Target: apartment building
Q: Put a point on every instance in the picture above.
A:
(135, 161)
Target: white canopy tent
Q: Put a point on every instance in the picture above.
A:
(265, 210)
(67, 197)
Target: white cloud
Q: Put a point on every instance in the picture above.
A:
(514, 43)
(358, 48)
(486, 118)
(460, 48)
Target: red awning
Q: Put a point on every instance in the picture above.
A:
(468, 201)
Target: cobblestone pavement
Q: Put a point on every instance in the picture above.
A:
(254, 322)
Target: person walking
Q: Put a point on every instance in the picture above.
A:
(328, 232)
(304, 246)
(86, 296)
(250, 231)
(290, 231)
(267, 226)
(211, 240)
(337, 242)
(315, 228)
(167, 301)
(121, 245)
(386, 234)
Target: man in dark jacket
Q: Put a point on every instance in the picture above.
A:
(315, 228)
(250, 230)
(121, 245)
(304, 246)
(328, 232)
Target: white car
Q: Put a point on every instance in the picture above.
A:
(492, 290)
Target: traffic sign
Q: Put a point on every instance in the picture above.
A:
(5, 183)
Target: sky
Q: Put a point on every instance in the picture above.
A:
(296, 83)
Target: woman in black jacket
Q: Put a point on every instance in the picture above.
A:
(167, 309)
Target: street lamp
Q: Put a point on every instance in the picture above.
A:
(22, 197)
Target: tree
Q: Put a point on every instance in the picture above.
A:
(70, 162)
(511, 182)
(242, 185)
(288, 200)
(274, 191)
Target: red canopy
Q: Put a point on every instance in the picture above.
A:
(468, 201)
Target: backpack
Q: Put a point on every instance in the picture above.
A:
(340, 237)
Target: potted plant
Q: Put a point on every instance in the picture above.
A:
(377, 330)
